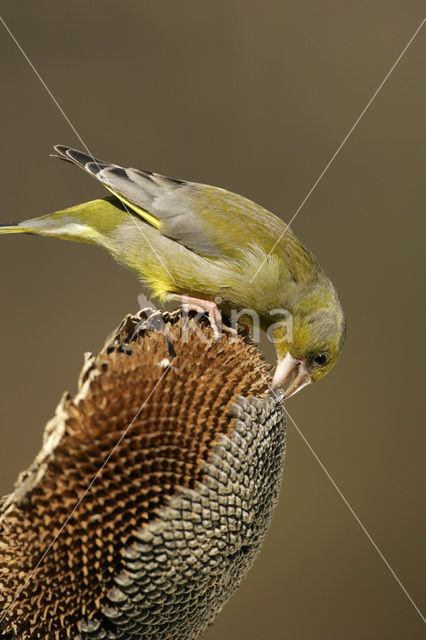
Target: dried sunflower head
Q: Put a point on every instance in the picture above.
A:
(152, 492)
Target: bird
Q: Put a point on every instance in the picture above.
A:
(213, 251)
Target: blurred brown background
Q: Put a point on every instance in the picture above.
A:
(254, 96)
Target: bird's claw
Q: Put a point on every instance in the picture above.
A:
(205, 306)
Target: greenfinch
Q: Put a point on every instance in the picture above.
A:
(213, 251)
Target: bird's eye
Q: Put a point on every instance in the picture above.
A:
(320, 359)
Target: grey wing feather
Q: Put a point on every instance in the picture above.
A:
(168, 199)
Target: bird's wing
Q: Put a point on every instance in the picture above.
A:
(207, 220)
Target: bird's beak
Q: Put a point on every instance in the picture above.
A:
(294, 369)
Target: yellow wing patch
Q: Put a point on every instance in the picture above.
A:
(141, 212)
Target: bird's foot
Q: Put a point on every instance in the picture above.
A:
(204, 306)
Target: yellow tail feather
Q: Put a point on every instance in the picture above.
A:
(12, 228)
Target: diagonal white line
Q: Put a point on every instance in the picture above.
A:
(44, 84)
(354, 514)
(80, 500)
(79, 137)
(345, 139)
(311, 449)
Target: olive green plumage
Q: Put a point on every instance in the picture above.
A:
(205, 242)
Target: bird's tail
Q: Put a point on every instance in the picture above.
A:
(87, 222)
(56, 225)
(13, 227)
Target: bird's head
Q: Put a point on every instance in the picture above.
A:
(309, 342)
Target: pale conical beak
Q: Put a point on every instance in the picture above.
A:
(293, 368)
